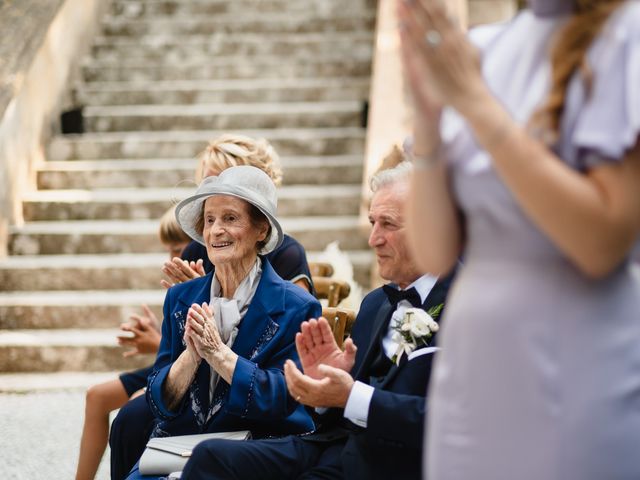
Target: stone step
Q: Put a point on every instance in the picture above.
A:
(136, 203)
(219, 68)
(186, 144)
(140, 236)
(250, 22)
(162, 48)
(49, 273)
(27, 280)
(176, 172)
(51, 309)
(223, 117)
(133, 9)
(83, 349)
(29, 383)
(252, 90)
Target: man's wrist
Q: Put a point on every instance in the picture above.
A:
(348, 394)
(356, 408)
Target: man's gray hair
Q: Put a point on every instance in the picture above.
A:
(391, 176)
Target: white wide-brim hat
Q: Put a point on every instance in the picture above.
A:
(248, 183)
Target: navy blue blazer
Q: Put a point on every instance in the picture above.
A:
(391, 444)
(257, 398)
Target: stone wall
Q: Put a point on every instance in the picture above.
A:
(489, 11)
(41, 44)
(389, 119)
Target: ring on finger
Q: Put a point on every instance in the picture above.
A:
(432, 38)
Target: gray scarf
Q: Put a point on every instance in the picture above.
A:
(228, 313)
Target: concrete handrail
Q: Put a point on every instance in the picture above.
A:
(43, 41)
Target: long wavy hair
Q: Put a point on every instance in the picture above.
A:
(568, 56)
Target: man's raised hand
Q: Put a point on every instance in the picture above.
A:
(316, 346)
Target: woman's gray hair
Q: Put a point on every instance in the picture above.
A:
(391, 176)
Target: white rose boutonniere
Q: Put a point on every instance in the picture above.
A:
(415, 330)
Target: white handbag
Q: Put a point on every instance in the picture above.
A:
(169, 454)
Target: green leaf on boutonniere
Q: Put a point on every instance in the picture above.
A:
(434, 312)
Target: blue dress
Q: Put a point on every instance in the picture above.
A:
(539, 373)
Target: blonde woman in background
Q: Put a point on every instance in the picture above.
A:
(533, 169)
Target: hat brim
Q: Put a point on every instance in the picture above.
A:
(189, 210)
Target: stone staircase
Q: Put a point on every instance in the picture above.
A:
(164, 77)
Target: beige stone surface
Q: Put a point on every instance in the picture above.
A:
(250, 90)
(23, 25)
(74, 350)
(32, 88)
(490, 11)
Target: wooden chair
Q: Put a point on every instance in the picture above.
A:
(341, 321)
(334, 291)
(320, 269)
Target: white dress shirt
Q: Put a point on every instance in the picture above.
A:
(357, 407)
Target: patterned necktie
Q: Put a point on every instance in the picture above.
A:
(394, 295)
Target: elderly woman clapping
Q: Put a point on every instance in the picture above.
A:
(226, 336)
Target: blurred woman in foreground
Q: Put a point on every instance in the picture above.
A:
(533, 168)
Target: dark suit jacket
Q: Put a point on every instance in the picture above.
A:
(391, 445)
(257, 398)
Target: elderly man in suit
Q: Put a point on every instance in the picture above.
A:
(369, 399)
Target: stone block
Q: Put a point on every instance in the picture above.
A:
(263, 23)
(225, 91)
(171, 49)
(227, 68)
(223, 117)
(86, 309)
(174, 173)
(134, 9)
(171, 144)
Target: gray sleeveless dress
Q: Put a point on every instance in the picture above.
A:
(539, 373)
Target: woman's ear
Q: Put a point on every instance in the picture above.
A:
(264, 232)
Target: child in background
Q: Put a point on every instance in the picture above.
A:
(143, 336)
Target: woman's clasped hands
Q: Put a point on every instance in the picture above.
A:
(201, 332)
(441, 66)
(204, 342)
